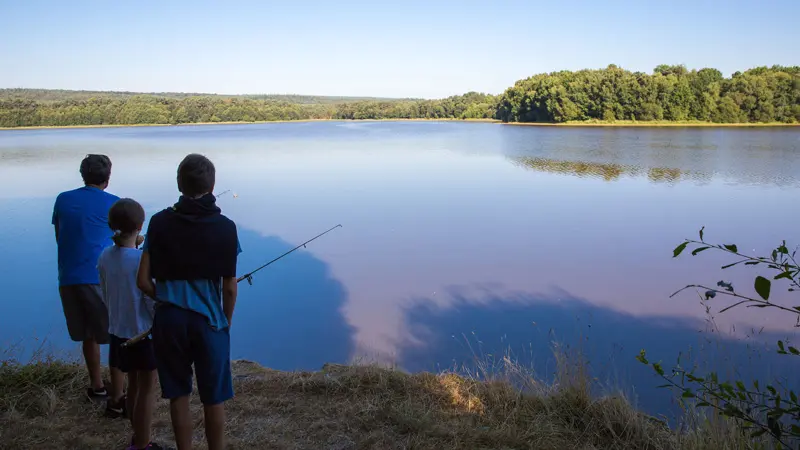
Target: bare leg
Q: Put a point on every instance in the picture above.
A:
(91, 353)
(181, 422)
(214, 416)
(130, 401)
(143, 409)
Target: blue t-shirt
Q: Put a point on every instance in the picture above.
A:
(81, 220)
(201, 296)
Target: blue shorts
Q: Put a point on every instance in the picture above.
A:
(181, 338)
(139, 357)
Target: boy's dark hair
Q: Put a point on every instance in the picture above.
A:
(196, 175)
(126, 216)
(95, 169)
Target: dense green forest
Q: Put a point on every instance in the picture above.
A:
(55, 95)
(671, 93)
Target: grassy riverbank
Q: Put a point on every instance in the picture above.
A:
(347, 407)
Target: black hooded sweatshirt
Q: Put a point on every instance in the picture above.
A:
(192, 240)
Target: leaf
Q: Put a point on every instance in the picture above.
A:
(796, 430)
(787, 274)
(730, 265)
(793, 396)
(772, 390)
(758, 433)
(679, 249)
(732, 248)
(701, 232)
(688, 394)
(783, 249)
(755, 383)
(774, 255)
(641, 358)
(700, 404)
(780, 346)
(698, 250)
(794, 351)
(658, 369)
(762, 286)
(740, 385)
(752, 263)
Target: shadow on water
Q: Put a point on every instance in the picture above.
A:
(290, 318)
(475, 329)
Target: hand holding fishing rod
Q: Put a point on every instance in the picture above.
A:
(248, 276)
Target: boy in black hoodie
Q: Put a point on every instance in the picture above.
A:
(190, 251)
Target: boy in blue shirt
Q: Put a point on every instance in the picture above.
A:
(190, 250)
(80, 218)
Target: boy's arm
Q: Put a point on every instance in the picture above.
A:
(229, 292)
(144, 281)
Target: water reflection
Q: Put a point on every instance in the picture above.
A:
(741, 156)
(291, 317)
(480, 326)
(426, 206)
(608, 172)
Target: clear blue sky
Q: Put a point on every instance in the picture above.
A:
(405, 48)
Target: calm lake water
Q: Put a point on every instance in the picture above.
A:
(460, 241)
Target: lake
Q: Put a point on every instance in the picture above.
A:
(461, 242)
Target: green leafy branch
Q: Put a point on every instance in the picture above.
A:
(774, 411)
(760, 411)
(780, 260)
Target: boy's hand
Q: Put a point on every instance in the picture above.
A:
(139, 240)
(229, 293)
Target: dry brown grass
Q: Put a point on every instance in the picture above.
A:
(352, 407)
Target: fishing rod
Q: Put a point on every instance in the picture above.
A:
(248, 276)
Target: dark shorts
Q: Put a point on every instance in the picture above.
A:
(138, 357)
(182, 338)
(86, 314)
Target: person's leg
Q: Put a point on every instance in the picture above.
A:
(96, 329)
(181, 422)
(143, 408)
(214, 417)
(75, 314)
(211, 351)
(117, 384)
(173, 359)
(130, 400)
(91, 354)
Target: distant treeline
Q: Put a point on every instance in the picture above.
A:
(56, 95)
(670, 93)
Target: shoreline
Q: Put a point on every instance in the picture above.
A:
(618, 124)
(655, 124)
(136, 125)
(44, 401)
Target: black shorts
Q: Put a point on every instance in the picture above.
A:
(138, 357)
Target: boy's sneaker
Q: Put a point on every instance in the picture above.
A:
(115, 410)
(97, 394)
